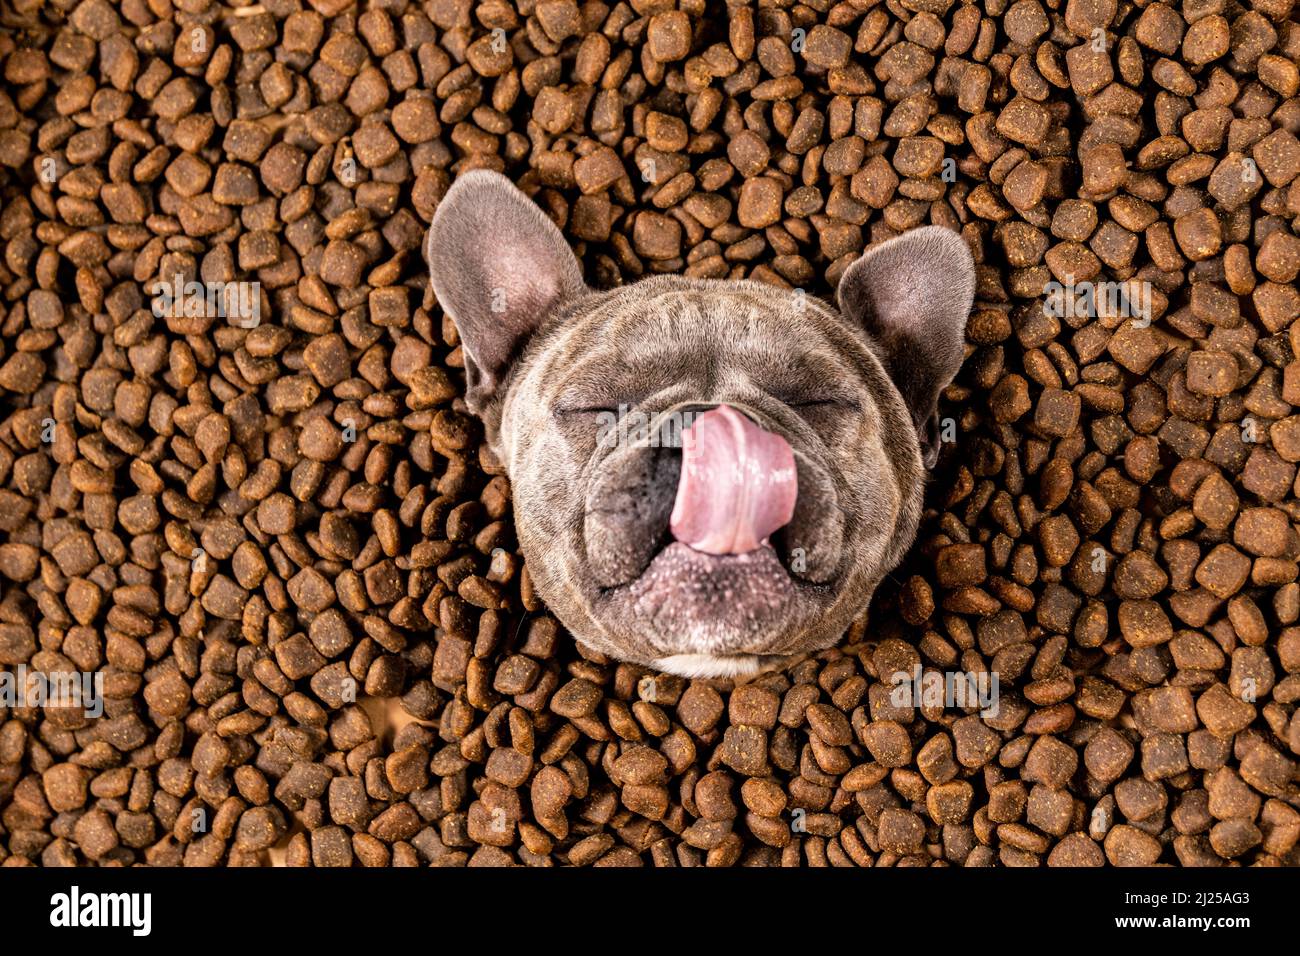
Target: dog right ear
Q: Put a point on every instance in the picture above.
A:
(499, 267)
(912, 295)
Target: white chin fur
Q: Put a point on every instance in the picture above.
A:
(708, 665)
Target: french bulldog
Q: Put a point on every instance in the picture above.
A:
(776, 464)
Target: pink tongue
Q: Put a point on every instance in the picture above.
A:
(738, 484)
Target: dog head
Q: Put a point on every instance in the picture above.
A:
(708, 475)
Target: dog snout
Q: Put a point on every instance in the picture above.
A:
(629, 503)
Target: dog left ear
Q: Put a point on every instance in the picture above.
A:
(499, 267)
(912, 294)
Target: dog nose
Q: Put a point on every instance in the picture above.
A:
(738, 484)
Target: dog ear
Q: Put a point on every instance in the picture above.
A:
(912, 294)
(499, 267)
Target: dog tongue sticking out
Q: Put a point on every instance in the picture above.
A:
(738, 484)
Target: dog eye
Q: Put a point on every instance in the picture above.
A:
(573, 411)
(826, 401)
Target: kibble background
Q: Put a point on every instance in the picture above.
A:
(1148, 698)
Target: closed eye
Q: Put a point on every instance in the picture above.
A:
(824, 401)
(565, 411)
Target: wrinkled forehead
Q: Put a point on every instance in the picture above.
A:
(631, 344)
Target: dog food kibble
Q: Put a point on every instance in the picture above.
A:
(241, 494)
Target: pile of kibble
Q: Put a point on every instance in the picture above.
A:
(284, 547)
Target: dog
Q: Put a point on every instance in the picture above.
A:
(775, 464)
